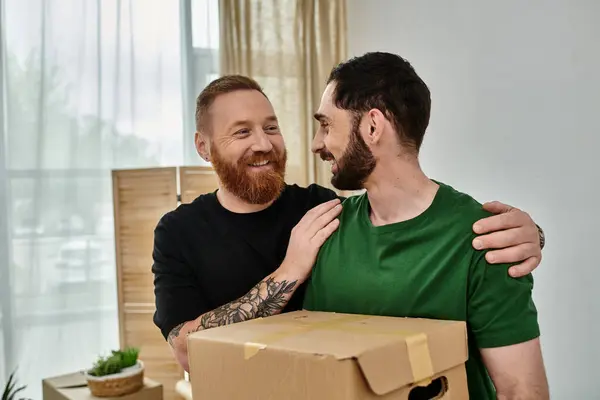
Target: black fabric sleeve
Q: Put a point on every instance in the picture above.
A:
(176, 289)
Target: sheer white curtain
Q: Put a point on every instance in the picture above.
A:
(87, 86)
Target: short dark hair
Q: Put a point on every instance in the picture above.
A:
(389, 83)
(222, 85)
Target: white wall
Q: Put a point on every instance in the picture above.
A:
(516, 118)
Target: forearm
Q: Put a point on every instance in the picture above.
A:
(517, 371)
(524, 393)
(268, 297)
(533, 387)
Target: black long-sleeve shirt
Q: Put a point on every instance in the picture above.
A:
(206, 256)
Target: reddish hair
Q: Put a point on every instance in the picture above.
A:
(222, 85)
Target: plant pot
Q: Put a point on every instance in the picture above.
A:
(129, 380)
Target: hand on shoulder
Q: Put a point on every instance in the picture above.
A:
(308, 236)
(513, 236)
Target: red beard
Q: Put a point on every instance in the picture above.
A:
(260, 187)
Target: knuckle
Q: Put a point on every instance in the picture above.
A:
(523, 217)
(533, 249)
(523, 253)
(496, 257)
(311, 214)
(534, 234)
(484, 241)
(326, 231)
(325, 219)
(512, 237)
(322, 213)
(489, 242)
(320, 237)
(528, 267)
(515, 218)
(320, 209)
(503, 220)
(518, 269)
(333, 213)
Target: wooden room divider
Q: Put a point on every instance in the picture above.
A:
(141, 197)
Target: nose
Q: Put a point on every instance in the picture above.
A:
(262, 143)
(318, 143)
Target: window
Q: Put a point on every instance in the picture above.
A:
(201, 65)
(90, 87)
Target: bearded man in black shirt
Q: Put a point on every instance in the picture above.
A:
(245, 250)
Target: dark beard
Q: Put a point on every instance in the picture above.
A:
(356, 164)
(252, 187)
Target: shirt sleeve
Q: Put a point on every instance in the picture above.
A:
(501, 310)
(177, 293)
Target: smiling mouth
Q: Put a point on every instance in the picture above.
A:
(331, 160)
(259, 164)
(326, 156)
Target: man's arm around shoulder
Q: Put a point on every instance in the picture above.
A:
(517, 371)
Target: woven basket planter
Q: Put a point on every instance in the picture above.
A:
(129, 380)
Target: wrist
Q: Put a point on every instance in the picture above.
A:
(290, 272)
(542, 236)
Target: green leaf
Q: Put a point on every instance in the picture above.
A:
(10, 392)
(115, 363)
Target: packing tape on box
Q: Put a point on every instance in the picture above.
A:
(417, 345)
(296, 327)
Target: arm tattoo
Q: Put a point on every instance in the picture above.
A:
(174, 333)
(267, 298)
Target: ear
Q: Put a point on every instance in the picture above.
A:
(377, 122)
(202, 146)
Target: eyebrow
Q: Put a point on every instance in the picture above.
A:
(321, 117)
(241, 122)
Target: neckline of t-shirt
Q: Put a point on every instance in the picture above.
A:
(427, 215)
(272, 208)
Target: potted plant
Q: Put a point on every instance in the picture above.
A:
(11, 390)
(119, 374)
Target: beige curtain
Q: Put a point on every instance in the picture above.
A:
(289, 47)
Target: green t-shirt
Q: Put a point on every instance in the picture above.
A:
(425, 267)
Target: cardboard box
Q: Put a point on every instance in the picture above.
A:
(74, 387)
(314, 355)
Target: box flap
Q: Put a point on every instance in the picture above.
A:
(75, 379)
(420, 352)
(391, 352)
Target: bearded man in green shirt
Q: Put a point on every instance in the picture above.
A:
(404, 248)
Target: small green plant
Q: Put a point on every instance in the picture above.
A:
(11, 390)
(115, 363)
